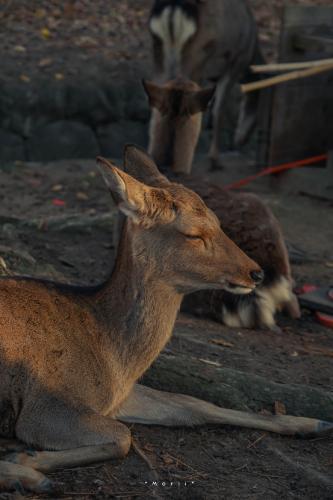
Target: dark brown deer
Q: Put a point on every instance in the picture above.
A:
(177, 108)
(208, 40)
(70, 360)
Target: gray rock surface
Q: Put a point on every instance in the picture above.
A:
(11, 147)
(113, 137)
(62, 139)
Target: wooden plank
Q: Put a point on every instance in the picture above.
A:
(302, 110)
(281, 67)
(310, 15)
(313, 43)
(286, 77)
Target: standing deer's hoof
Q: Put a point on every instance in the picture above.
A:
(226, 159)
(216, 163)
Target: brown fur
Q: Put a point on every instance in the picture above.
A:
(208, 41)
(244, 218)
(69, 359)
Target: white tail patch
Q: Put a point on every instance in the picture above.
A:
(275, 298)
(261, 311)
(174, 28)
(243, 318)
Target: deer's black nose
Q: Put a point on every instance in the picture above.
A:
(257, 276)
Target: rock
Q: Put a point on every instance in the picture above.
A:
(62, 139)
(93, 104)
(137, 107)
(52, 100)
(113, 137)
(11, 147)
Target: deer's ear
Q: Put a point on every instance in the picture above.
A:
(198, 101)
(142, 167)
(157, 95)
(144, 205)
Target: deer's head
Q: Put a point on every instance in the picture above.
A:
(177, 108)
(173, 233)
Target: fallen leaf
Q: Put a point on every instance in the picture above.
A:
(58, 203)
(82, 196)
(59, 76)
(20, 48)
(46, 33)
(57, 187)
(45, 62)
(222, 342)
(279, 408)
(40, 13)
(24, 78)
(86, 42)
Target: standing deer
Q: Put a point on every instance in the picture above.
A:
(70, 359)
(209, 40)
(177, 108)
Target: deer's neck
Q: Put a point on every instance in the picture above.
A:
(139, 308)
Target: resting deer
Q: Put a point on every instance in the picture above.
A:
(208, 40)
(70, 360)
(177, 108)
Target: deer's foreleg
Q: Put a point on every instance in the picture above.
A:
(21, 478)
(149, 406)
(80, 437)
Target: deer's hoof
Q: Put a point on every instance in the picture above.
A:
(216, 163)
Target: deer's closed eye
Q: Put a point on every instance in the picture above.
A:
(194, 237)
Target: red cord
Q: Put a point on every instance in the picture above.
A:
(277, 169)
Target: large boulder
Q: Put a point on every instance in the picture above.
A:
(94, 104)
(11, 147)
(113, 137)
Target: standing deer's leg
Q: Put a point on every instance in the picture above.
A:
(81, 437)
(247, 118)
(222, 89)
(149, 406)
(249, 105)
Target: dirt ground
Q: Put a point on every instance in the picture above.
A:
(208, 462)
(61, 40)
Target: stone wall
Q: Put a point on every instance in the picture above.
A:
(55, 120)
